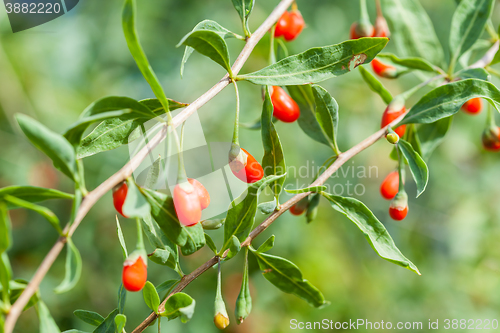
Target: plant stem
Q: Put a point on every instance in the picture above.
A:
(364, 17)
(490, 118)
(237, 116)
(140, 239)
(400, 169)
(272, 54)
(491, 30)
(407, 94)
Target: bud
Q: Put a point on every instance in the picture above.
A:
(392, 138)
(221, 319)
(384, 70)
(381, 27)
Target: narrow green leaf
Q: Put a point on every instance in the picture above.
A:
(467, 25)
(273, 161)
(241, 214)
(267, 245)
(179, 305)
(32, 194)
(166, 252)
(318, 64)
(135, 204)
(244, 300)
(410, 63)
(45, 212)
(161, 257)
(327, 115)
(73, 268)
(267, 207)
(212, 224)
(5, 276)
(287, 277)
(312, 208)
(55, 146)
(210, 44)
(413, 138)
(153, 174)
(121, 239)
(417, 165)
(108, 325)
(431, 135)
(473, 73)
(47, 323)
(244, 8)
(210, 243)
(120, 321)
(151, 297)
(234, 247)
(446, 100)
(191, 239)
(5, 229)
(307, 189)
(372, 228)
(375, 85)
(304, 97)
(166, 286)
(122, 298)
(412, 30)
(134, 45)
(206, 25)
(17, 286)
(90, 317)
(107, 108)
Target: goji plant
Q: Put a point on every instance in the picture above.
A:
(172, 221)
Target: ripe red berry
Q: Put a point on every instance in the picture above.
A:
(381, 27)
(395, 109)
(361, 30)
(119, 196)
(285, 108)
(384, 70)
(246, 167)
(203, 194)
(473, 106)
(390, 186)
(398, 213)
(300, 207)
(187, 204)
(134, 275)
(295, 25)
(491, 139)
(282, 25)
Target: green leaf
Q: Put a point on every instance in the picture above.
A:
(108, 325)
(244, 300)
(73, 268)
(319, 188)
(107, 108)
(267, 207)
(121, 239)
(179, 305)
(212, 224)
(55, 146)
(375, 85)
(273, 161)
(122, 297)
(412, 30)
(467, 25)
(166, 252)
(90, 317)
(5, 229)
(210, 44)
(417, 165)
(312, 208)
(241, 214)
(210, 243)
(45, 212)
(446, 100)
(413, 139)
(17, 287)
(206, 25)
(135, 204)
(191, 239)
(372, 228)
(473, 73)
(244, 8)
(234, 247)
(287, 277)
(134, 45)
(166, 286)
(5, 276)
(115, 132)
(120, 321)
(267, 245)
(32, 194)
(151, 297)
(327, 115)
(47, 323)
(410, 63)
(153, 174)
(431, 135)
(318, 64)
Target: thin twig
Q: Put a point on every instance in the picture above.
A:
(127, 170)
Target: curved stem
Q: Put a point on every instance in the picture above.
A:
(236, 139)
(364, 17)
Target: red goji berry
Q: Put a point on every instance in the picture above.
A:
(285, 108)
(246, 167)
(491, 139)
(119, 196)
(473, 106)
(187, 204)
(395, 109)
(295, 25)
(390, 186)
(203, 194)
(399, 206)
(361, 30)
(282, 25)
(134, 275)
(384, 70)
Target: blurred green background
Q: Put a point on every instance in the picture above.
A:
(52, 72)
